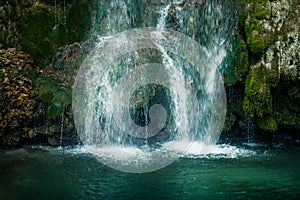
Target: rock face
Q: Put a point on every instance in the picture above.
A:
(272, 32)
(17, 98)
(262, 75)
(42, 29)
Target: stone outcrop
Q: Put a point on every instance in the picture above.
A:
(272, 34)
(17, 98)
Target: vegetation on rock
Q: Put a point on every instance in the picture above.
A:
(261, 71)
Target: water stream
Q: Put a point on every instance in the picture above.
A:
(121, 76)
(227, 173)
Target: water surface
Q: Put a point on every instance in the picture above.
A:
(234, 173)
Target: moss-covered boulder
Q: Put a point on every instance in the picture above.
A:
(258, 100)
(257, 37)
(35, 27)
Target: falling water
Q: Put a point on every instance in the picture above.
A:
(115, 19)
(61, 129)
(250, 130)
(55, 13)
(109, 88)
(163, 16)
(65, 13)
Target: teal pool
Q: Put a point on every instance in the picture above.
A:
(248, 172)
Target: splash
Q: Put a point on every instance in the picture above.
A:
(143, 95)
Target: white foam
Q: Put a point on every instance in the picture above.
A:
(194, 150)
(201, 150)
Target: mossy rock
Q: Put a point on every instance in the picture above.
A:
(55, 109)
(64, 95)
(237, 62)
(257, 101)
(55, 95)
(255, 39)
(78, 20)
(267, 123)
(229, 121)
(61, 100)
(285, 117)
(260, 11)
(47, 88)
(256, 44)
(258, 39)
(142, 96)
(44, 28)
(59, 35)
(34, 28)
(287, 112)
(273, 73)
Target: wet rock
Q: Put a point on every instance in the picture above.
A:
(272, 34)
(17, 98)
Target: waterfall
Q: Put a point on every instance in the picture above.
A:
(163, 16)
(61, 129)
(142, 97)
(55, 13)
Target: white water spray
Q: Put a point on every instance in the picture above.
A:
(190, 109)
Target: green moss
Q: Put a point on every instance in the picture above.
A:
(150, 93)
(273, 75)
(47, 88)
(30, 73)
(260, 12)
(78, 20)
(256, 44)
(142, 96)
(4, 39)
(43, 29)
(34, 28)
(59, 35)
(45, 48)
(257, 38)
(62, 98)
(64, 95)
(237, 62)
(155, 18)
(78, 62)
(257, 102)
(55, 109)
(287, 118)
(267, 123)
(29, 47)
(287, 104)
(55, 95)
(229, 121)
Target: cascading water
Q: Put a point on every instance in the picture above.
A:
(142, 97)
(61, 130)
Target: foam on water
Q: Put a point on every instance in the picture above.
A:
(186, 121)
(132, 154)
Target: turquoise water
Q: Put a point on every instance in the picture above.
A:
(235, 173)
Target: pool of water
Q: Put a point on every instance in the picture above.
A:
(248, 172)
